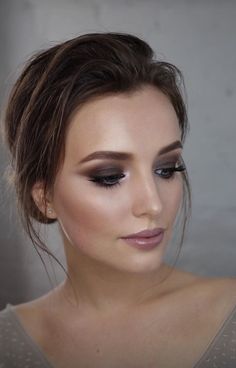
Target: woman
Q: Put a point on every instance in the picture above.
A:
(96, 129)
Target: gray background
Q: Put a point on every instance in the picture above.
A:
(200, 38)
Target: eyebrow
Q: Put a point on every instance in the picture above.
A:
(114, 155)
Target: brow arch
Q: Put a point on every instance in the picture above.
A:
(114, 155)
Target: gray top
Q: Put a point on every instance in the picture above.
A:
(18, 350)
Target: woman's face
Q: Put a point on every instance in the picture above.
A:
(98, 200)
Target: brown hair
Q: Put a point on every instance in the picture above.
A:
(56, 82)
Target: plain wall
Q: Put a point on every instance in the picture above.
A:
(200, 38)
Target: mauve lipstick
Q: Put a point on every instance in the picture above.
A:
(146, 239)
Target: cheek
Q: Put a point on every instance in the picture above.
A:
(88, 212)
(173, 195)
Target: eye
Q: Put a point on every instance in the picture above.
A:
(107, 181)
(111, 179)
(169, 172)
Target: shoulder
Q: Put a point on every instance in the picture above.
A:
(37, 316)
(7, 325)
(218, 290)
(216, 316)
(207, 302)
(193, 309)
(17, 348)
(214, 285)
(5, 337)
(211, 297)
(12, 338)
(204, 293)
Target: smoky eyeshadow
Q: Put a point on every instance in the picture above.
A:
(169, 160)
(105, 170)
(113, 168)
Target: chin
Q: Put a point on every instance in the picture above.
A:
(142, 265)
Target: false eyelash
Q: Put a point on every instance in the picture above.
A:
(174, 169)
(171, 171)
(99, 181)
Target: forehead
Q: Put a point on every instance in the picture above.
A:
(124, 121)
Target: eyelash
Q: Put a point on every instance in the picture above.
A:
(100, 180)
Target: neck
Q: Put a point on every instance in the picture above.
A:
(100, 288)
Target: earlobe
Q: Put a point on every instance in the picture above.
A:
(42, 202)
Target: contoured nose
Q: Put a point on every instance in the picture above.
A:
(146, 196)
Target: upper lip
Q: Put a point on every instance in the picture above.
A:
(146, 233)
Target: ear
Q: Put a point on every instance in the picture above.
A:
(42, 201)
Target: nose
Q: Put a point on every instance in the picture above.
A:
(146, 197)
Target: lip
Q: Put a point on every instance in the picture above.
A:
(145, 234)
(145, 243)
(145, 240)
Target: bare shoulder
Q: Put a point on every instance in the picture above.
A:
(34, 315)
(32, 308)
(219, 288)
(215, 292)
(222, 292)
(212, 294)
(39, 305)
(185, 278)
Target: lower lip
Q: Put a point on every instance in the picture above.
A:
(145, 243)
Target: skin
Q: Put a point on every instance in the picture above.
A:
(104, 269)
(123, 308)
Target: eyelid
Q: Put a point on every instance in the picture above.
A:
(115, 168)
(170, 158)
(107, 172)
(101, 169)
(168, 165)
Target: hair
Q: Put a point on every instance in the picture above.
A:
(54, 84)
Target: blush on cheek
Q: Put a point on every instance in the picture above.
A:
(87, 218)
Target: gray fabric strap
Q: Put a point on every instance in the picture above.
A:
(221, 352)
